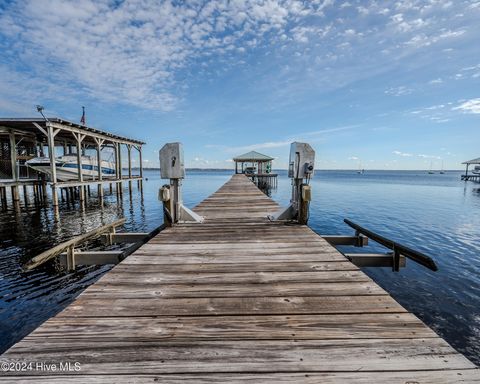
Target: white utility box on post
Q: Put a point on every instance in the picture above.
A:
(301, 167)
(172, 167)
(302, 161)
(171, 161)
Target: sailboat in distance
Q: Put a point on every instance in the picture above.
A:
(430, 172)
(360, 171)
(442, 170)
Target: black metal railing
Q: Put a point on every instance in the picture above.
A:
(398, 249)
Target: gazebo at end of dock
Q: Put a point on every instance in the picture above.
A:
(258, 167)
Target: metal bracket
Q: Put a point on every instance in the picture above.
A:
(396, 260)
(288, 213)
(186, 215)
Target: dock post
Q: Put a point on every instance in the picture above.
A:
(53, 168)
(79, 138)
(99, 143)
(140, 181)
(3, 195)
(119, 169)
(119, 162)
(15, 196)
(129, 152)
(35, 193)
(13, 156)
(25, 194)
(43, 188)
(71, 258)
(140, 160)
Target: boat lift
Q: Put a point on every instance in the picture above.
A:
(395, 259)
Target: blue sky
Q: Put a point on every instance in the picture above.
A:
(384, 84)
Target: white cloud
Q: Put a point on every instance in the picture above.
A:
(435, 107)
(469, 106)
(147, 54)
(353, 158)
(135, 52)
(404, 154)
(399, 91)
(423, 156)
(310, 136)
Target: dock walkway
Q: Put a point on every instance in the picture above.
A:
(238, 299)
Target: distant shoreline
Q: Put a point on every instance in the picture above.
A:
(317, 170)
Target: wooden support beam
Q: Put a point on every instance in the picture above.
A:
(93, 134)
(60, 248)
(359, 241)
(53, 169)
(15, 196)
(91, 258)
(129, 149)
(13, 156)
(127, 237)
(99, 143)
(119, 161)
(374, 259)
(79, 138)
(40, 128)
(139, 148)
(70, 258)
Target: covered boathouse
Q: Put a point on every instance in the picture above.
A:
(22, 139)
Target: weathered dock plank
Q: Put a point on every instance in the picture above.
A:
(238, 299)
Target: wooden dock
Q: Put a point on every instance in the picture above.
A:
(238, 299)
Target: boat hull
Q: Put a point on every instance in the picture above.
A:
(67, 169)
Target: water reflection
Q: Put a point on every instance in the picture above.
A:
(30, 226)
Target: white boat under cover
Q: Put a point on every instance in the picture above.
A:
(67, 167)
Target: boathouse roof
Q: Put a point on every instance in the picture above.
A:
(253, 156)
(28, 126)
(474, 161)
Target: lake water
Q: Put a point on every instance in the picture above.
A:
(437, 214)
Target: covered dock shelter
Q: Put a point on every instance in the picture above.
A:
(474, 176)
(260, 162)
(258, 167)
(24, 138)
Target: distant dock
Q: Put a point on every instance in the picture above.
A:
(258, 168)
(473, 175)
(239, 299)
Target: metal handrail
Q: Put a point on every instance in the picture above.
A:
(398, 249)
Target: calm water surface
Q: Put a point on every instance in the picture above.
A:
(437, 214)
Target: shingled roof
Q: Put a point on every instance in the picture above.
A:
(253, 156)
(474, 161)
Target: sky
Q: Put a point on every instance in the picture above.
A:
(371, 84)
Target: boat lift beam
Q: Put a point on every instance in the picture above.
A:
(398, 250)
